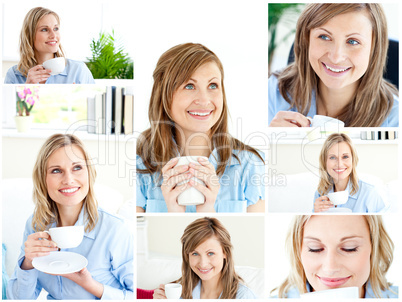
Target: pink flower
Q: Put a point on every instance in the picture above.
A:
(30, 100)
(21, 95)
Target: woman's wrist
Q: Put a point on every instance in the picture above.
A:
(94, 287)
(26, 264)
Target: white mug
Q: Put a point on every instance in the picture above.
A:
(338, 198)
(190, 196)
(173, 290)
(68, 236)
(56, 65)
(336, 293)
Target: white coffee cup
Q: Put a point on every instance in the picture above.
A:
(338, 198)
(326, 123)
(191, 196)
(173, 290)
(56, 65)
(68, 236)
(336, 293)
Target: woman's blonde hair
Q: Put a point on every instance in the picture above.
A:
(46, 211)
(374, 96)
(157, 145)
(382, 249)
(194, 235)
(27, 39)
(326, 180)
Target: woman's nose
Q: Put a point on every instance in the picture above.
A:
(202, 97)
(68, 178)
(203, 262)
(337, 52)
(331, 263)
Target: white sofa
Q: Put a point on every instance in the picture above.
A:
(161, 270)
(297, 195)
(17, 206)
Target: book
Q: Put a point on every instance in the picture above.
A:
(99, 120)
(91, 121)
(128, 114)
(118, 110)
(108, 112)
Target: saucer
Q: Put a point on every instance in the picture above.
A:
(59, 263)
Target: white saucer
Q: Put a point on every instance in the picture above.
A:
(60, 263)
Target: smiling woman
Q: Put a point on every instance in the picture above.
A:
(334, 252)
(63, 195)
(40, 42)
(340, 54)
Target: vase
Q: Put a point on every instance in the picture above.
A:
(23, 123)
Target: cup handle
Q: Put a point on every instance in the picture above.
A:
(311, 121)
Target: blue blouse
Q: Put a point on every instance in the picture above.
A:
(76, 72)
(366, 200)
(390, 293)
(241, 185)
(109, 250)
(243, 292)
(277, 103)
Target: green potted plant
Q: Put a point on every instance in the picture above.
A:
(286, 13)
(109, 61)
(26, 99)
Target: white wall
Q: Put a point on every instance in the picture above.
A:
(277, 260)
(235, 30)
(247, 234)
(115, 166)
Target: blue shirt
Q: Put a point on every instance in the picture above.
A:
(76, 72)
(241, 185)
(277, 103)
(243, 292)
(366, 200)
(109, 251)
(390, 293)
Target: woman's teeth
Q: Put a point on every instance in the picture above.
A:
(69, 190)
(199, 113)
(336, 70)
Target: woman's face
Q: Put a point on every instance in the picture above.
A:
(336, 251)
(339, 50)
(197, 103)
(47, 35)
(339, 162)
(207, 260)
(67, 177)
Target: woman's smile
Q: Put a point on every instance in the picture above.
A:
(333, 282)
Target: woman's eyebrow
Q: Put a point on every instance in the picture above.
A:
(311, 238)
(348, 35)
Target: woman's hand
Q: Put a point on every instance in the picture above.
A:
(205, 171)
(289, 119)
(322, 204)
(159, 293)
(172, 176)
(84, 279)
(37, 245)
(37, 74)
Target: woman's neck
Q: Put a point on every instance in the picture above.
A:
(195, 144)
(341, 185)
(42, 57)
(68, 216)
(211, 289)
(331, 102)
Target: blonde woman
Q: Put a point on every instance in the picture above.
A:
(63, 195)
(338, 163)
(40, 41)
(208, 268)
(188, 114)
(336, 251)
(340, 54)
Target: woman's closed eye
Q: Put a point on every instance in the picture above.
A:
(350, 250)
(315, 250)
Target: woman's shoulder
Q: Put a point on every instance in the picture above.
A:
(248, 156)
(14, 76)
(110, 220)
(243, 292)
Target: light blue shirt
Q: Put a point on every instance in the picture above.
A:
(76, 72)
(243, 292)
(366, 200)
(277, 103)
(390, 293)
(109, 251)
(241, 185)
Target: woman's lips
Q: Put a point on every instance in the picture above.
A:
(69, 191)
(335, 71)
(333, 282)
(200, 114)
(339, 171)
(204, 271)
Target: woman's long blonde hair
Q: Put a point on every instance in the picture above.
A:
(374, 96)
(326, 181)
(194, 235)
(46, 211)
(157, 145)
(382, 249)
(27, 39)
